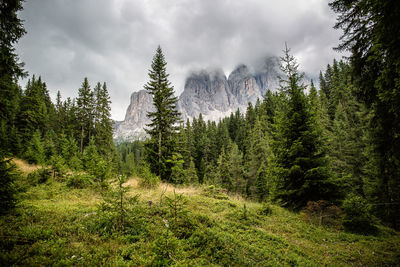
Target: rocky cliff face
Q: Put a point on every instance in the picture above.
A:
(207, 92)
(135, 118)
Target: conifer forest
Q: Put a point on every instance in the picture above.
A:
(309, 175)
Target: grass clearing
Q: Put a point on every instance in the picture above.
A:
(58, 225)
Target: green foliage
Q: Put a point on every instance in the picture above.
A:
(39, 176)
(371, 31)
(177, 172)
(131, 156)
(162, 127)
(298, 147)
(11, 70)
(217, 193)
(61, 225)
(8, 189)
(167, 248)
(75, 163)
(358, 216)
(148, 179)
(191, 173)
(57, 166)
(117, 211)
(80, 180)
(176, 206)
(35, 152)
(224, 177)
(266, 209)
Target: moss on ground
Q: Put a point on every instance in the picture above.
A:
(58, 225)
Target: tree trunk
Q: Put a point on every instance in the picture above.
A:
(159, 152)
(82, 140)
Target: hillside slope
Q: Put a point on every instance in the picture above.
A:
(197, 226)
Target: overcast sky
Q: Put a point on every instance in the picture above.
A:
(114, 41)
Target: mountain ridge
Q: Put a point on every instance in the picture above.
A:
(209, 92)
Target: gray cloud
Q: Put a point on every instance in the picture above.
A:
(114, 41)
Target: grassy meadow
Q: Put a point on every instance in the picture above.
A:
(59, 224)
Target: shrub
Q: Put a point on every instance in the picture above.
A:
(58, 166)
(148, 179)
(358, 216)
(75, 163)
(8, 176)
(119, 212)
(265, 209)
(217, 193)
(166, 248)
(80, 180)
(39, 176)
(101, 171)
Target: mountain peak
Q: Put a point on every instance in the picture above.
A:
(208, 92)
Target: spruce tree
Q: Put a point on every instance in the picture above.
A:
(8, 189)
(371, 32)
(11, 30)
(163, 120)
(35, 152)
(35, 109)
(224, 175)
(236, 172)
(102, 121)
(303, 166)
(85, 113)
(258, 154)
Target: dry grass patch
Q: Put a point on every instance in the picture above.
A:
(187, 190)
(24, 166)
(132, 182)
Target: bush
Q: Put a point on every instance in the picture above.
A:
(217, 193)
(358, 216)
(40, 176)
(265, 209)
(8, 176)
(75, 163)
(148, 179)
(80, 180)
(58, 166)
(119, 212)
(166, 248)
(101, 171)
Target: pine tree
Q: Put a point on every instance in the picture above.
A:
(163, 120)
(257, 156)
(236, 172)
(224, 176)
(302, 162)
(8, 189)
(191, 173)
(35, 109)
(11, 70)
(85, 113)
(371, 32)
(102, 121)
(35, 152)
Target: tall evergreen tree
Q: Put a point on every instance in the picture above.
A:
(305, 174)
(11, 30)
(257, 156)
(85, 113)
(163, 120)
(103, 122)
(35, 109)
(371, 32)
